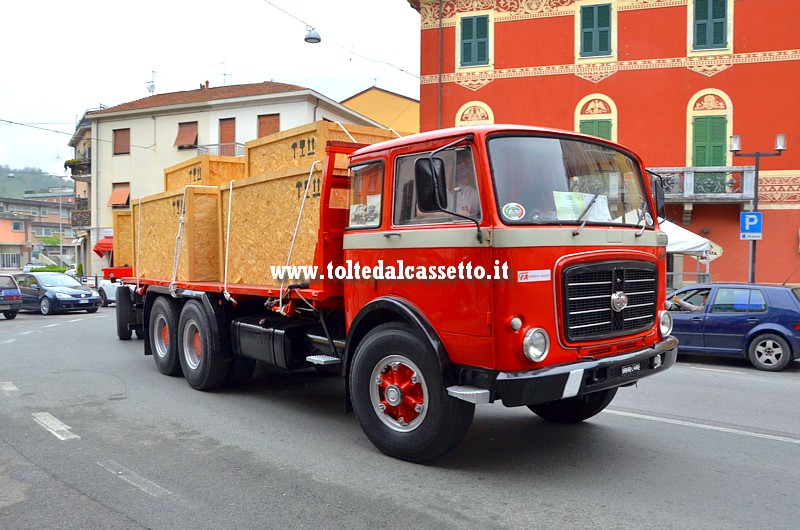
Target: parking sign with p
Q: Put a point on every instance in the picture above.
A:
(750, 225)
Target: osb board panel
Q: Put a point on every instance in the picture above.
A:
(263, 218)
(203, 170)
(155, 231)
(123, 239)
(303, 145)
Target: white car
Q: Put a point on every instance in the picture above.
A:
(71, 270)
(108, 292)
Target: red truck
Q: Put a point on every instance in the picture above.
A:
(470, 265)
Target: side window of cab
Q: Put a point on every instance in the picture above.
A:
(461, 183)
(366, 195)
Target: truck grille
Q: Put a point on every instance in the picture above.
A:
(588, 292)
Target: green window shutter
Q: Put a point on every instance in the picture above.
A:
(596, 30)
(600, 128)
(709, 148)
(710, 24)
(474, 41)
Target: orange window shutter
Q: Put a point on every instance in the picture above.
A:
(187, 135)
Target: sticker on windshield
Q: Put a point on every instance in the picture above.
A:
(513, 211)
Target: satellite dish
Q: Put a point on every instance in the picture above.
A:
(151, 88)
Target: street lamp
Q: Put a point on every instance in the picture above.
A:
(736, 147)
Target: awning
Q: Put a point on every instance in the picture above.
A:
(104, 246)
(78, 241)
(187, 135)
(120, 194)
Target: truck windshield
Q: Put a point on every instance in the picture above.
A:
(542, 180)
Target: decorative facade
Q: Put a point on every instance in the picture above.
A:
(672, 79)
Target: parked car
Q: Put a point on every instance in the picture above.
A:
(108, 291)
(33, 265)
(10, 296)
(753, 321)
(72, 270)
(52, 292)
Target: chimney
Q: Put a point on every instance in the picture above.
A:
(206, 83)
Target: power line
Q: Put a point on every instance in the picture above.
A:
(67, 133)
(351, 52)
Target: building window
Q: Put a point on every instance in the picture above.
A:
(42, 232)
(17, 226)
(120, 195)
(710, 24)
(187, 135)
(599, 128)
(709, 141)
(596, 30)
(122, 141)
(268, 124)
(475, 41)
(44, 212)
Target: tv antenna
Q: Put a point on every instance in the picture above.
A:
(151, 85)
(224, 73)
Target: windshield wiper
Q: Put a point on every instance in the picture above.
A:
(577, 231)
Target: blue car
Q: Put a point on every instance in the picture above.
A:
(10, 297)
(54, 292)
(753, 321)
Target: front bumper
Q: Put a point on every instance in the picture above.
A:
(75, 304)
(574, 379)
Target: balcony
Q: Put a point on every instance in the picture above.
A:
(707, 185)
(81, 217)
(81, 169)
(234, 149)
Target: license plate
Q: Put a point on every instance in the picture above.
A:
(83, 301)
(629, 369)
(4, 307)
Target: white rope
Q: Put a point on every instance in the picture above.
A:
(176, 255)
(138, 242)
(226, 294)
(395, 132)
(294, 236)
(347, 133)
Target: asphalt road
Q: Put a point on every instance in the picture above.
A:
(92, 436)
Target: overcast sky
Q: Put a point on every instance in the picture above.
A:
(61, 58)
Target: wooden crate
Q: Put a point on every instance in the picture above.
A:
(301, 146)
(264, 212)
(123, 239)
(203, 170)
(155, 231)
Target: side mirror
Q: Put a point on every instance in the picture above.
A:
(35, 286)
(430, 183)
(658, 195)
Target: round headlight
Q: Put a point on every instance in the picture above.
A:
(665, 323)
(535, 344)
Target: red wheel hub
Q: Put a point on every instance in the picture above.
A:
(401, 396)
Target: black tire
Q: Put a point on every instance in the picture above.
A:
(45, 306)
(124, 312)
(769, 352)
(240, 370)
(163, 330)
(10, 315)
(204, 367)
(574, 409)
(92, 310)
(103, 298)
(391, 356)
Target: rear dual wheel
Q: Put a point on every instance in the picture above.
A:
(163, 330)
(204, 365)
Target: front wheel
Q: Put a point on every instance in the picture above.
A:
(124, 312)
(399, 397)
(103, 298)
(204, 366)
(770, 352)
(10, 315)
(574, 409)
(45, 307)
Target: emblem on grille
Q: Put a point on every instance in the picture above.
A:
(619, 301)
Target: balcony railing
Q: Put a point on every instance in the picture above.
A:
(233, 149)
(79, 167)
(723, 184)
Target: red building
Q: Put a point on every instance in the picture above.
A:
(671, 79)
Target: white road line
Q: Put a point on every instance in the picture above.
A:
(76, 320)
(682, 423)
(57, 428)
(715, 370)
(138, 481)
(8, 386)
(8, 341)
(51, 325)
(27, 332)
